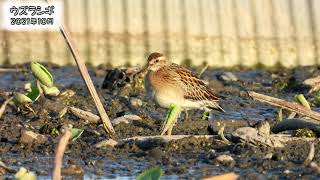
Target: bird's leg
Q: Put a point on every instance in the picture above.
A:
(171, 118)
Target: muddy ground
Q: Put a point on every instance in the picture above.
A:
(188, 158)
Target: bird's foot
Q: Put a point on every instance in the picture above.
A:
(171, 118)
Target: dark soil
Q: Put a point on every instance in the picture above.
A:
(188, 158)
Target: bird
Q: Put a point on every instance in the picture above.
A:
(177, 88)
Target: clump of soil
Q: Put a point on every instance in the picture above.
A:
(184, 158)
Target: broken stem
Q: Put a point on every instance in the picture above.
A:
(86, 77)
(4, 105)
(59, 154)
(291, 106)
(310, 155)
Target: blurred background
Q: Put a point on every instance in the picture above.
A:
(222, 33)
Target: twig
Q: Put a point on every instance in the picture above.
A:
(4, 105)
(4, 166)
(203, 70)
(165, 138)
(86, 77)
(220, 133)
(315, 167)
(295, 123)
(314, 83)
(92, 118)
(291, 106)
(11, 70)
(59, 154)
(310, 155)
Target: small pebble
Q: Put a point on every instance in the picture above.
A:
(227, 76)
(136, 102)
(126, 119)
(106, 143)
(29, 137)
(287, 171)
(224, 158)
(268, 156)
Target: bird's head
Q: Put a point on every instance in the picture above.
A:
(156, 61)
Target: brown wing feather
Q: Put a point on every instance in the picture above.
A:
(195, 88)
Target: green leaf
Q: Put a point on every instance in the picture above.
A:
(21, 99)
(76, 133)
(42, 74)
(34, 91)
(151, 174)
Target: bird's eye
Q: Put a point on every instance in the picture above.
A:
(157, 60)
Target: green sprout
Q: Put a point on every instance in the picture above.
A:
(302, 100)
(280, 116)
(43, 84)
(151, 174)
(171, 118)
(205, 116)
(76, 133)
(54, 132)
(24, 174)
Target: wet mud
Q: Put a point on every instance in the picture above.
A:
(187, 158)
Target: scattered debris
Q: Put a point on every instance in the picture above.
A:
(11, 70)
(258, 136)
(4, 105)
(314, 83)
(73, 169)
(118, 78)
(227, 76)
(68, 93)
(310, 155)
(224, 158)
(220, 133)
(203, 70)
(30, 137)
(164, 138)
(136, 102)
(85, 115)
(5, 167)
(106, 143)
(315, 167)
(126, 119)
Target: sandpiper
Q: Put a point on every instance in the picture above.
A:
(177, 88)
